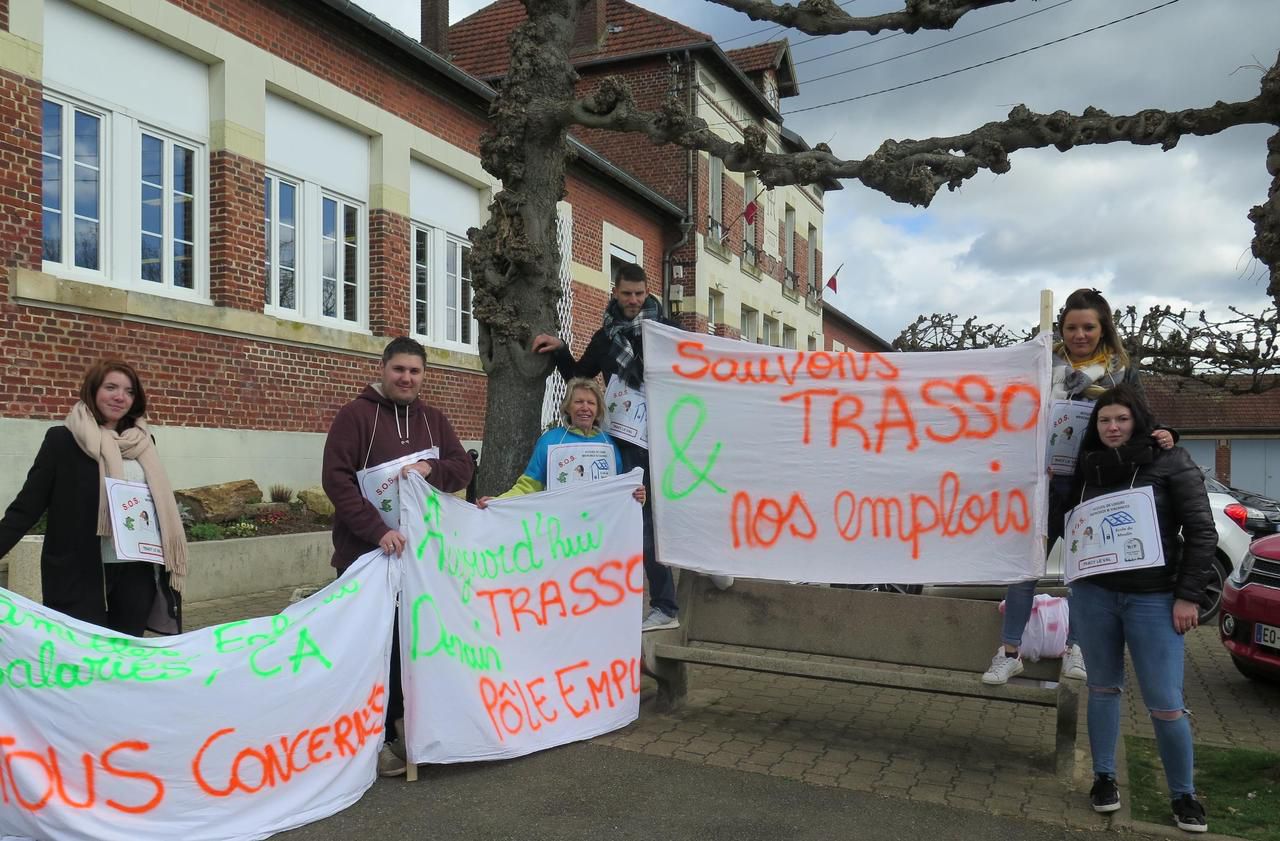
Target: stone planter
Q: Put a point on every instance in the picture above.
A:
(217, 568)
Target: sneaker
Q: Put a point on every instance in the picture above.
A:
(722, 582)
(658, 620)
(1104, 795)
(1188, 814)
(391, 760)
(1073, 664)
(1002, 668)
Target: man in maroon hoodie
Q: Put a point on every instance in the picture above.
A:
(388, 422)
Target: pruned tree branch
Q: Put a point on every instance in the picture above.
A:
(1239, 353)
(825, 17)
(912, 171)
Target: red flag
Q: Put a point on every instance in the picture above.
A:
(831, 284)
(750, 213)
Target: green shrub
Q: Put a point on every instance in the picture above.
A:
(206, 531)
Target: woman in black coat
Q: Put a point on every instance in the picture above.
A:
(105, 434)
(1148, 609)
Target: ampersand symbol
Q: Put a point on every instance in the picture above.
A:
(680, 448)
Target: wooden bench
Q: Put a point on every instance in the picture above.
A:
(955, 638)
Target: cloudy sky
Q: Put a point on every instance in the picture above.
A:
(1144, 226)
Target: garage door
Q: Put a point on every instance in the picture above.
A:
(1255, 465)
(1202, 450)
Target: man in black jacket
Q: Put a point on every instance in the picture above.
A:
(616, 350)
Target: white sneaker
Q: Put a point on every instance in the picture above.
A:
(722, 582)
(657, 620)
(1002, 668)
(1073, 664)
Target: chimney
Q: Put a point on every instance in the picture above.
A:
(435, 27)
(589, 35)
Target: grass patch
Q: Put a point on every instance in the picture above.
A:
(1239, 788)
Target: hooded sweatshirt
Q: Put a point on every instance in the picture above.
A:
(372, 430)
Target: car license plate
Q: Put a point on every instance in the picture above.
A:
(1268, 635)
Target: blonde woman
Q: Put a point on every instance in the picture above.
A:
(576, 451)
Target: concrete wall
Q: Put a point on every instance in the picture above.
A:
(218, 568)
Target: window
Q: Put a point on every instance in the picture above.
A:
(813, 342)
(442, 295)
(715, 310)
(168, 212)
(749, 219)
(788, 336)
(151, 236)
(282, 241)
(715, 200)
(748, 324)
(339, 259)
(315, 252)
(789, 239)
(770, 336)
(811, 270)
(72, 154)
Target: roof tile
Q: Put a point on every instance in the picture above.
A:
(1189, 405)
(472, 40)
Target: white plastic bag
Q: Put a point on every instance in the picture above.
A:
(1046, 631)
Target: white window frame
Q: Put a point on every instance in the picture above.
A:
(788, 337)
(120, 202)
(749, 324)
(271, 226)
(811, 271)
(168, 191)
(309, 255)
(715, 310)
(715, 201)
(770, 334)
(749, 190)
(789, 238)
(436, 333)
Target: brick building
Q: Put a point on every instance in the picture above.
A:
(759, 279)
(1236, 437)
(247, 198)
(840, 332)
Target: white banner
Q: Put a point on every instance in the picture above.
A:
(1114, 532)
(519, 623)
(847, 467)
(232, 732)
(135, 528)
(577, 463)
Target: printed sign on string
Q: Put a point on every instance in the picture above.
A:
(381, 484)
(1068, 420)
(574, 463)
(237, 731)
(847, 467)
(135, 529)
(627, 412)
(519, 623)
(1113, 532)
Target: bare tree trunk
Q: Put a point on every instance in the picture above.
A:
(516, 255)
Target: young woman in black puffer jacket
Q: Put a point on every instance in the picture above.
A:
(1148, 610)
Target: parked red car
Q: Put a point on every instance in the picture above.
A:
(1250, 617)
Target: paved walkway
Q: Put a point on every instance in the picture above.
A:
(970, 754)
